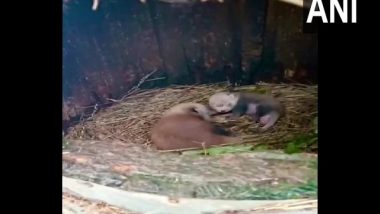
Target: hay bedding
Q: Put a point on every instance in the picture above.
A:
(131, 120)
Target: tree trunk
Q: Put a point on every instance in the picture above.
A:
(234, 17)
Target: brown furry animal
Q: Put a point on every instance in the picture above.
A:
(183, 127)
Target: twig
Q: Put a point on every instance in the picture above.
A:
(95, 4)
(204, 148)
(154, 79)
(196, 148)
(93, 112)
(298, 205)
(135, 88)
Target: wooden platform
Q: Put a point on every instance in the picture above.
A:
(119, 201)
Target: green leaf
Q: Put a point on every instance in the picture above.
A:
(292, 148)
(260, 147)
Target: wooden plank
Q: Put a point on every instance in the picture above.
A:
(149, 203)
(298, 3)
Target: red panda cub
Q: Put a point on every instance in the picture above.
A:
(262, 108)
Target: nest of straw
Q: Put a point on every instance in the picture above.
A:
(131, 120)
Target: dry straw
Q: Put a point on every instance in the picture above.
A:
(131, 120)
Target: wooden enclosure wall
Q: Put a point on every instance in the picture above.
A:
(107, 51)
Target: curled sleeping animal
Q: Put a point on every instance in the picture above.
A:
(187, 126)
(264, 109)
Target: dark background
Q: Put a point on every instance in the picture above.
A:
(107, 51)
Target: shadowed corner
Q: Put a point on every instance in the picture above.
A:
(221, 131)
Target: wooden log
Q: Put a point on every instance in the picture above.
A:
(149, 203)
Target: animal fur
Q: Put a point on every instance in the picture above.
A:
(262, 108)
(182, 128)
(191, 108)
